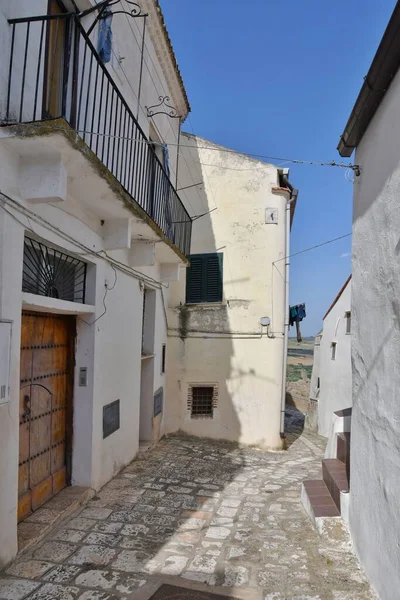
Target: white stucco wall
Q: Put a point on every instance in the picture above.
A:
(224, 344)
(375, 429)
(335, 375)
(110, 348)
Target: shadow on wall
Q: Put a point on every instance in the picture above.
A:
(198, 342)
(294, 421)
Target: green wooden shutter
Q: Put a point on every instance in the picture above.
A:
(212, 290)
(194, 279)
(204, 278)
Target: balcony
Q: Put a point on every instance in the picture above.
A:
(55, 72)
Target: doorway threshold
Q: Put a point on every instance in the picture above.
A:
(63, 505)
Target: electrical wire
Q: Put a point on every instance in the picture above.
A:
(213, 337)
(114, 263)
(102, 254)
(248, 333)
(166, 92)
(108, 289)
(297, 161)
(139, 104)
(205, 172)
(313, 247)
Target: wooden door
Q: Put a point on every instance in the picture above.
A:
(45, 421)
(54, 64)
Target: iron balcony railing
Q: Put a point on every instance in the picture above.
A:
(55, 71)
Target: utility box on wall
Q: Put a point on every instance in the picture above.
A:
(158, 401)
(5, 352)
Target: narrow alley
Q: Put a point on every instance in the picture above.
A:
(194, 513)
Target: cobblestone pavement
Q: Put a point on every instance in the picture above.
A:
(194, 512)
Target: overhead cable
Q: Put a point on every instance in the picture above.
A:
(313, 247)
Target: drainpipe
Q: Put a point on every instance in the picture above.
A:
(293, 198)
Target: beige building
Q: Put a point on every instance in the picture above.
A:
(226, 315)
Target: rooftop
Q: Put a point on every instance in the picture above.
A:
(376, 83)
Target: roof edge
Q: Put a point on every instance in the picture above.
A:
(208, 144)
(381, 73)
(337, 297)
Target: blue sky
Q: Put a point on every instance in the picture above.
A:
(279, 77)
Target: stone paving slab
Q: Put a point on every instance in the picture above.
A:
(197, 513)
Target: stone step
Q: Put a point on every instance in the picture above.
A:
(317, 500)
(334, 474)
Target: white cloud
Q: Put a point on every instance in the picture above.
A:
(345, 254)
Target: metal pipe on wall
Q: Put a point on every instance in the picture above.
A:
(293, 198)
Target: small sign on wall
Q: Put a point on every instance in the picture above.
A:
(271, 216)
(111, 418)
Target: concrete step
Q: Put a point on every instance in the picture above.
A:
(317, 500)
(334, 474)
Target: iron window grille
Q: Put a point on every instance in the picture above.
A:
(202, 401)
(48, 272)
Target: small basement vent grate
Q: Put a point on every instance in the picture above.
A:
(202, 400)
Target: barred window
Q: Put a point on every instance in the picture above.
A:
(202, 400)
(48, 272)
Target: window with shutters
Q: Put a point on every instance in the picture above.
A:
(204, 278)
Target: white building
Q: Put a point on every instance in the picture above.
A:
(332, 370)
(91, 233)
(373, 130)
(330, 408)
(226, 353)
(311, 420)
(94, 245)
